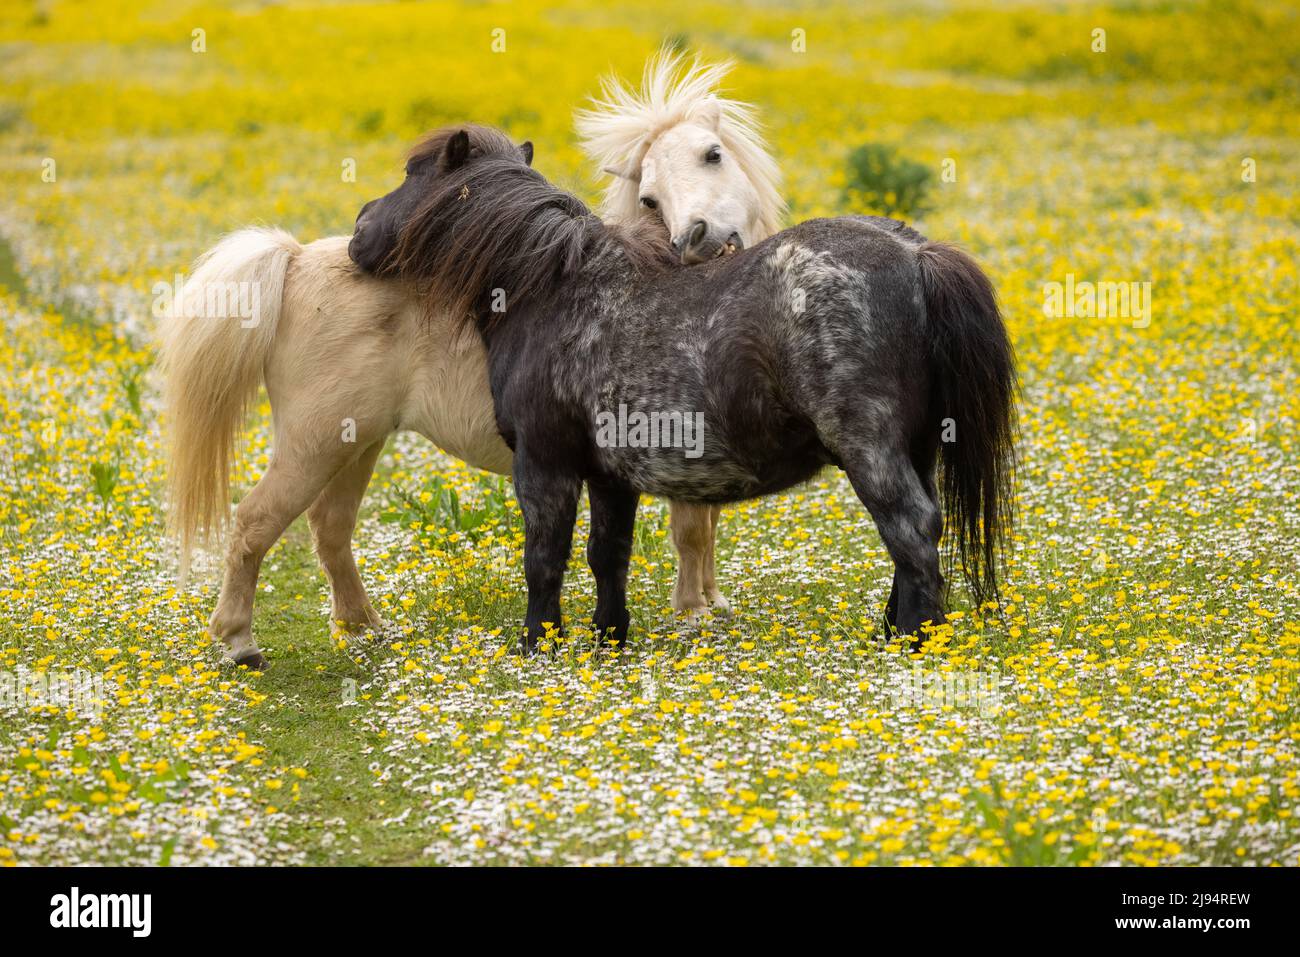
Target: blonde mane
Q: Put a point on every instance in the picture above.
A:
(621, 126)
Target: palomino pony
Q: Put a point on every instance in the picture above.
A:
(843, 342)
(347, 359)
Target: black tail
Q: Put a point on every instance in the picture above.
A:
(974, 385)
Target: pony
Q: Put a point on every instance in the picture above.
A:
(847, 342)
(347, 359)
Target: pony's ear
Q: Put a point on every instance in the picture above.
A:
(457, 150)
(526, 151)
(710, 113)
(632, 173)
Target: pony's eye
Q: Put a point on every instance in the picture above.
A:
(714, 155)
(649, 202)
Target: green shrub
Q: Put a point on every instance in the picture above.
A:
(884, 182)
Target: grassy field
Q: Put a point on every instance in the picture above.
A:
(1133, 701)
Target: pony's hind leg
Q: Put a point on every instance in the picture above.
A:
(692, 537)
(333, 518)
(609, 548)
(924, 465)
(711, 590)
(549, 501)
(290, 484)
(910, 524)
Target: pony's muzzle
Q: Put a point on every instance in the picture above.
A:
(702, 243)
(688, 238)
(363, 217)
(360, 249)
(357, 249)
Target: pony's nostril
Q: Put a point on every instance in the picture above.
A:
(363, 217)
(358, 251)
(698, 232)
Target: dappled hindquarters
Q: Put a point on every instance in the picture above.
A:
(1133, 698)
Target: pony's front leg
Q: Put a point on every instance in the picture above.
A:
(549, 501)
(609, 548)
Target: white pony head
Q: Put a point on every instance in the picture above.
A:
(678, 150)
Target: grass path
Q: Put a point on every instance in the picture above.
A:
(342, 818)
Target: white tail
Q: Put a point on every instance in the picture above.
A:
(215, 340)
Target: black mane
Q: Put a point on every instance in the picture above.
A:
(496, 223)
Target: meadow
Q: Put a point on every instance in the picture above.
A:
(1132, 700)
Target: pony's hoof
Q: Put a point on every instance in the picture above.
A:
(691, 616)
(253, 661)
(690, 607)
(719, 602)
(342, 628)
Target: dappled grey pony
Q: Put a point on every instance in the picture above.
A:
(852, 342)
